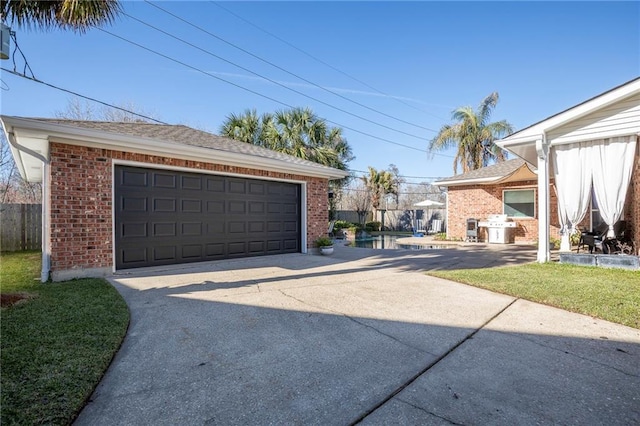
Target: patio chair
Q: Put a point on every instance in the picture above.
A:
(330, 231)
(620, 244)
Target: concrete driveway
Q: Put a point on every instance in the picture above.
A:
(359, 337)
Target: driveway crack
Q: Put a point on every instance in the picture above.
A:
(430, 365)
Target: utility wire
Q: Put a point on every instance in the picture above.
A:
(79, 95)
(273, 81)
(321, 61)
(13, 57)
(401, 176)
(260, 94)
(293, 74)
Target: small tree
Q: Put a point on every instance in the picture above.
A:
(379, 184)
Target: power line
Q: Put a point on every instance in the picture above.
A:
(322, 62)
(289, 72)
(262, 95)
(79, 95)
(401, 176)
(271, 80)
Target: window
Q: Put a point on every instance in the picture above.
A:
(519, 203)
(596, 218)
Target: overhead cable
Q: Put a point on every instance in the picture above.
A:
(79, 95)
(292, 73)
(262, 95)
(304, 52)
(273, 81)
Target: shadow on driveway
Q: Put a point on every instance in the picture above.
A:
(300, 339)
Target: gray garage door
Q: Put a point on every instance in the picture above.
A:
(166, 217)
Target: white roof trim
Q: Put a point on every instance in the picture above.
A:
(468, 181)
(101, 139)
(535, 132)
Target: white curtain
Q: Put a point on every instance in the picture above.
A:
(612, 163)
(572, 174)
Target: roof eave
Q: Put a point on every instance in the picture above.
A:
(101, 139)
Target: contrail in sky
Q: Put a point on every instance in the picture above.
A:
(333, 89)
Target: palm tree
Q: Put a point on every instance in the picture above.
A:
(65, 14)
(379, 183)
(297, 132)
(473, 135)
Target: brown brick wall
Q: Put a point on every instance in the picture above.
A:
(80, 196)
(479, 201)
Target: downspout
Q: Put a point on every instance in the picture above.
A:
(46, 231)
(45, 245)
(542, 149)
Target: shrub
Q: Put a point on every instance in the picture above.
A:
(372, 226)
(342, 224)
(441, 236)
(323, 242)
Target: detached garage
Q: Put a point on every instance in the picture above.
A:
(129, 195)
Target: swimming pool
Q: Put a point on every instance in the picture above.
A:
(389, 242)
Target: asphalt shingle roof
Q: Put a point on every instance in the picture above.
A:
(181, 134)
(498, 170)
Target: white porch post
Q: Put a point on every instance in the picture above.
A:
(542, 149)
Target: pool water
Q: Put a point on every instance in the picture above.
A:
(389, 242)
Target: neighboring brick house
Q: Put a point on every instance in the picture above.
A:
(126, 195)
(488, 191)
(591, 148)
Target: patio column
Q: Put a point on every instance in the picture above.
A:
(542, 149)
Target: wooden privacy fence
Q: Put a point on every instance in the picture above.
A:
(20, 227)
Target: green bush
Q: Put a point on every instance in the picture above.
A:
(372, 226)
(342, 224)
(324, 242)
(441, 236)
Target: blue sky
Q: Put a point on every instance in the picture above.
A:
(426, 57)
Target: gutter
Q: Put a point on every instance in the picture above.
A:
(46, 246)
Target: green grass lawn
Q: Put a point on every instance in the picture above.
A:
(609, 294)
(56, 343)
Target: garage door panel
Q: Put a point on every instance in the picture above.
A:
(164, 229)
(237, 207)
(237, 186)
(164, 180)
(215, 207)
(166, 217)
(215, 228)
(134, 204)
(256, 246)
(167, 205)
(134, 229)
(191, 206)
(134, 178)
(215, 184)
(191, 229)
(237, 248)
(191, 183)
(164, 253)
(290, 245)
(191, 251)
(212, 250)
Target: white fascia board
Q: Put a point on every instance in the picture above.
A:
(467, 181)
(530, 134)
(100, 139)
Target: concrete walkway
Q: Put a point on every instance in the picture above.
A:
(359, 337)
